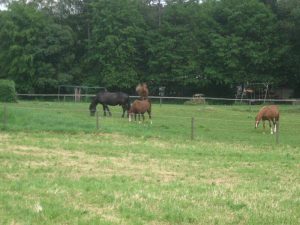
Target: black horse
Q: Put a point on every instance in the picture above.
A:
(110, 98)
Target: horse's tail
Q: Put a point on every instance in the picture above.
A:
(149, 109)
(150, 104)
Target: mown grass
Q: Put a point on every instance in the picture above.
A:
(56, 168)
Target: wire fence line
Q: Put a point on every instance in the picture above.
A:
(198, 118)
(249, 100)
(166, 115)
(202, 117)
(192, 123)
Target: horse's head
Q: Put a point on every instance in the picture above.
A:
(256, 122)
(92, 109)
(142, 90)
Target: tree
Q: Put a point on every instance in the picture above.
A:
(289, 32)
(35, 52)
(116, 35)
(246, 46)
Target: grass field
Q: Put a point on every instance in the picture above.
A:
(57, 168)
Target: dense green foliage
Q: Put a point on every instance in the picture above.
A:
(184, 45)
(7, 91)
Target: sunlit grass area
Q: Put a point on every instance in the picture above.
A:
(56, 167)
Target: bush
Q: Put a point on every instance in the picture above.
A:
(7, 91)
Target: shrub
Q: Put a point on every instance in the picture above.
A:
(7, 91)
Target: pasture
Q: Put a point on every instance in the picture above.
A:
(57, 168)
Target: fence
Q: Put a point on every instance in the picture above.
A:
(162, 99)
(188, 122)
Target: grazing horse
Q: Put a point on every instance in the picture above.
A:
(142, 90)
(269, 113)
(140, 107)
(110, 98)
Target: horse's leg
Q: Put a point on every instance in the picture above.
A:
(124, 109)
(104, 109)
(143, 117)
(270, 125)
(149, 114)
(139, 118)
(264, 125)
(109, 113)
(127, 106)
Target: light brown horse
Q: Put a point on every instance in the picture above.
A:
(142, 90)
(270, 113)
(140, 107)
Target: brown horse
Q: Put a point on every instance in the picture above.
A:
(142, 90)
(140, 107)
(270, 113)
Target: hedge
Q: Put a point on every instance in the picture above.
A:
(7, 91)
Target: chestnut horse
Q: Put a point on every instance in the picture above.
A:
(142, 90)
(140, 107)
(270, 113)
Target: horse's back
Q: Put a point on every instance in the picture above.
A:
(113, 98)
(140, 106)
(270, 111)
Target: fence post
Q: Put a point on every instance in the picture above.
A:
(97, 120)
(250, 106)
(277, 132)
(192, 128)
(4, 117)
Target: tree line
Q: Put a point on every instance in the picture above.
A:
(186, 45)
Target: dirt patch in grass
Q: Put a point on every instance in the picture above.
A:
(79, 164)
(4, 137)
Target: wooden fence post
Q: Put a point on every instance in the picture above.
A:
(192, 128)
(250, 106)
(4, 117)
(97, 120)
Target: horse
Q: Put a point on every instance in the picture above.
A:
(140, 107)
(142, 90)
(110, 98)
(270, 113)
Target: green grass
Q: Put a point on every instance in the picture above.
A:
(57, 168)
